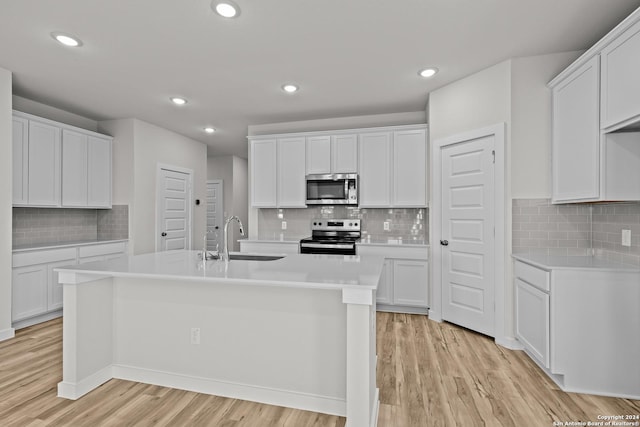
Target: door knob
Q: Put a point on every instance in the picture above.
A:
(164, 233)
(444, 242)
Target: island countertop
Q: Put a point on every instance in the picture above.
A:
(294, 270)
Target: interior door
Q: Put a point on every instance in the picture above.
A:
(174, 214)
(215, 214)
(468, 234)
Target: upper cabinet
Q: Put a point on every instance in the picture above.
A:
(56, 165)
(375, 170)
(620, 61)
(264, 173)
(596, 121)
(291, 172)
(332, 154)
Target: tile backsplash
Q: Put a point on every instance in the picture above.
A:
(576, 229)
(54, 225)
(410, 225)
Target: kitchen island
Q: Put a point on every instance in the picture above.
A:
(298, 331)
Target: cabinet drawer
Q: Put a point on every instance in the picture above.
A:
(43, 257)
(532, 275)
(104, 249)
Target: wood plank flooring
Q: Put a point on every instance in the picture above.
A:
(429, 374)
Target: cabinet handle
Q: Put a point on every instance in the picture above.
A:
(444, 242)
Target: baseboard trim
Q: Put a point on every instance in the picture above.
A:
(511, 343)
(401, 309)
(37, 319)
(75, 391)
(7, 334)
(266, 395)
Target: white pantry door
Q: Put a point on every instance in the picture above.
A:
(467, 236)
(174, 210)
(215, 214)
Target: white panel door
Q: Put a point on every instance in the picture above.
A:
(409, 168)
(20, 162)
(468, 234)
(264, 173)
(44, 164)
(291, 173)
(375, 169)
(74, 169)
(174, 214)
(318, 154)
(344, 153)
(99, 182)
(215, 214)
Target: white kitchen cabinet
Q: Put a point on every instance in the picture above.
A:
(409, 168)
(532, 320)
(332, 154)
(20, 162)
(44, 164)
(264, 173)
(576, 135)
(291, 190)
(404, 287)
(620, 88)
(36, 294)
(375, 169)
(99, 171)
(74, 169)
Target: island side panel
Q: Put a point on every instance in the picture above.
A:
(87, 342)
(276, 345)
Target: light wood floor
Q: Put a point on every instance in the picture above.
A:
(429, 374)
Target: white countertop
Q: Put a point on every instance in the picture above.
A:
(373, 242)
(289, 240)
(303, 271)
(549, 262)
(29, 247)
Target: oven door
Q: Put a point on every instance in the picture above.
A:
(334, 248)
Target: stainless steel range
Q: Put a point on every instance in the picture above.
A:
(332, 236)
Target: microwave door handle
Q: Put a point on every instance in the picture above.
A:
(346, 189)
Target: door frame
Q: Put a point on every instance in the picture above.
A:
(498, 132)
(158, 227)
(221, 182)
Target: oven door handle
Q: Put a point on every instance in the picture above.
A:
(325, 246)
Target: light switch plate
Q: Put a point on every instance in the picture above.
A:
(385, 225)
(626, 237)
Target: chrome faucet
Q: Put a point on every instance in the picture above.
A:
(225, 243)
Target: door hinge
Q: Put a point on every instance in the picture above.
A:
(493, 153)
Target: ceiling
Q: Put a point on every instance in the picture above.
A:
(349, 57)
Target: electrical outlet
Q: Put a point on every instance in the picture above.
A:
(284, 225)
(195, 335)
(626, 237)
(385, 225)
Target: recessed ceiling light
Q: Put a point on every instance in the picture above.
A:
(225, 8)
(290, 88)
(178, 101)
(428, 72)
(209, 129)
(67, 39)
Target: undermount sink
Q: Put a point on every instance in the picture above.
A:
(246, 257)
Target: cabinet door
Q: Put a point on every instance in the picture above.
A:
(74, 169)
(410, 283)
(384, 294)
(29, 292)
(532, 320)
(344, 153)
(263, 173)
(291, 173)
(620, 82)
(375, 169)
(99, 172)
(576, 136)
(410, 168)
(318, 154)
(44, 164)
(20, 160)
(54, 289)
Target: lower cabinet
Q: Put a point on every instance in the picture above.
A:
(532, 320)
(36, 294)
(404, 286)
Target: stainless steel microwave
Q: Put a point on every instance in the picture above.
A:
(332, 189)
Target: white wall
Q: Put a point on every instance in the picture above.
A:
(52, 113)
(531, 122)
(6, 202)
(154, 145)
(241, 193)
